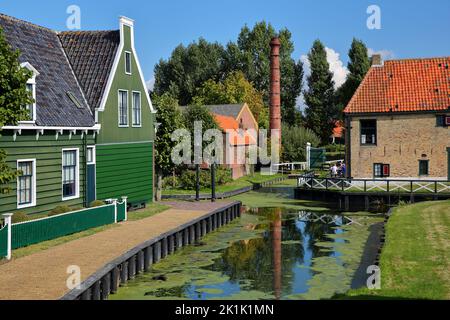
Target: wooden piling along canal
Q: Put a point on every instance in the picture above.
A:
(140, 259)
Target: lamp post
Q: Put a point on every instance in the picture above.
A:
(213, 182)
(197, 182)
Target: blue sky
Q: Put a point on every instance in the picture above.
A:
(409, 28)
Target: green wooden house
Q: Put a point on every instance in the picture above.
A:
(91, 129)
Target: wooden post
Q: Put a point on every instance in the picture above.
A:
(115, 278)
(124, 273)
(132, 267)
(164, 247)
(8, 218)
(157, 252)
(86, 295)
(186, 236)
(148, 258)
(179, 240)
(191, 234)
(125, 201)
(171, 245)
(140, 262)
(106, 286)
(96, 292)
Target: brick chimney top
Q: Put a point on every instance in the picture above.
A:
(275, 42)
(377, 61)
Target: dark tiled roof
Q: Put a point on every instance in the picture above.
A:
(404, 86)
(42, 49)
(228, 110)
(91, 54)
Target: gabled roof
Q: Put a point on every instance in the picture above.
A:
(42, 48)
(230, 110)
(404, 86)
(91, 54)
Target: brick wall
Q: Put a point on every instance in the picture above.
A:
(402, 140)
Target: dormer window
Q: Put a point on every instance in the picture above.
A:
(127, 62)
(31, 87)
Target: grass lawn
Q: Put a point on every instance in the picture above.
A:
(132, 216)
(240, 183)
(415, 263)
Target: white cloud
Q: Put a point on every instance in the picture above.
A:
(150, 84)
(385, 54)
(340, 71)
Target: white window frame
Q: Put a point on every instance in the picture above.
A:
(34, 187)
(77, 175)
(118, 108)
(140, 110)
(32, 81)
(128, 54)
(94, 154)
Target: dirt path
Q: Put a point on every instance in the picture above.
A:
(43, 275)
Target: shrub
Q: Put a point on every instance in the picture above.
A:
(170, 182)
(59, 210)
(20, 217)
(187, 178)
(294, 143)
(96, 203)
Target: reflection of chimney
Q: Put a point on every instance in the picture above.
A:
(275, 85)
(277, 257)
(377, 61)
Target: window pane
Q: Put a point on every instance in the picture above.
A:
(136, 108)
(69, 173)
(25, 183)
(123, 108)
(127, 62)
(368, 131)
(29, 107)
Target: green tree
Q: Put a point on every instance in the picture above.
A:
(188, 68)
(13, 96)
(321, 111)
(169, 118)
(358, 66)
(199, 113)
(251, 54)
(234, 89)
(294, 143)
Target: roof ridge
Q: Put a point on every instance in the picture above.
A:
(416, 59)
(11, 18)
(87, 31)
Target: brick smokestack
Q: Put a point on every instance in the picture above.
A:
(275, 86)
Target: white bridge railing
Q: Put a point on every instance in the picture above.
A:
(374, 185)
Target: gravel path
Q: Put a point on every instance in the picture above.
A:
(43, 275)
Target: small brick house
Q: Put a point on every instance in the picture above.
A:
(398, 121)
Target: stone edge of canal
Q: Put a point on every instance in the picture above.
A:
(107, 280)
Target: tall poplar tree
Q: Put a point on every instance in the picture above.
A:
(358, 66)
(319, 97)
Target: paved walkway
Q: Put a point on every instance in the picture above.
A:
(43, 275)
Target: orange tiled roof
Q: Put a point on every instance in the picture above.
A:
(338, 131)
(226, 122)
(404, 85)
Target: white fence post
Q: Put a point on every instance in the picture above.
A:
(124, 200)
(8, 217)
(308, 156)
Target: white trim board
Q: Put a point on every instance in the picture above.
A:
(124, 21)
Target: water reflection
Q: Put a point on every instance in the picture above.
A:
(271, 253)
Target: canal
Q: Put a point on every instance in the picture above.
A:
(281, 248)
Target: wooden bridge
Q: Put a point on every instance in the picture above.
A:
(362, 194)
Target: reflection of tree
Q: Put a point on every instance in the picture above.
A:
(264, 260)
(317, 232)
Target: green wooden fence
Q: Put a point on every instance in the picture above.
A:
(32, 232)
(4, 242)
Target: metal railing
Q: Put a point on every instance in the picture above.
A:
(375, 185)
